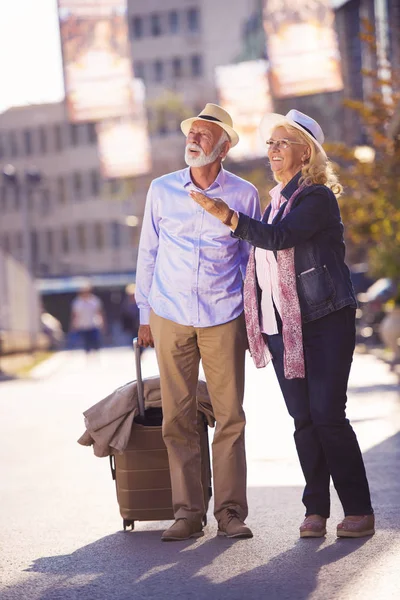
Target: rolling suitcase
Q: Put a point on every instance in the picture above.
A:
(141, 472)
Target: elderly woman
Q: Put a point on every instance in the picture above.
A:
(300, 312)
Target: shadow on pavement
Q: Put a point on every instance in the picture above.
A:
(7, 377)
(138, 566)
(274, 565)
(374, 388)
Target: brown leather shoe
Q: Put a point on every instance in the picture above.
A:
(313, 526)
(230, 525)
(182, 529)
(356, 526)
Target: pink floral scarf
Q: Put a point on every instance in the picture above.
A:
(291, 315)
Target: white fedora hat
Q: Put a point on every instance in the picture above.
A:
(296, 119)
(213, 114)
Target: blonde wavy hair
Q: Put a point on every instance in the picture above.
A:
(318, 169)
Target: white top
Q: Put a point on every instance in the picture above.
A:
(87, 312)
(267, 273)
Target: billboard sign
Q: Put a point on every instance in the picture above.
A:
(123, 143)
(302, 47)
(243, 91)
(96, 58)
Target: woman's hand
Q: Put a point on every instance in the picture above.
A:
(215, 206)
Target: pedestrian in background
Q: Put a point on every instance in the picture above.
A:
(300, 311)
(130, 312)
(189, 289)
(87, 318)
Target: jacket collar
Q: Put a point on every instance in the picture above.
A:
(291, 187)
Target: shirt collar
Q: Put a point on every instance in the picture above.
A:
(219, 181)
(292, 186)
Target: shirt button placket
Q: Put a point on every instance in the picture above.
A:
(197, 261)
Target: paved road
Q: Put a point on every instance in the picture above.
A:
(60, 532)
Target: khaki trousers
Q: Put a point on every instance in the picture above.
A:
(179, 349)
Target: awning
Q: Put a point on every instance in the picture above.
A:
(73, 283)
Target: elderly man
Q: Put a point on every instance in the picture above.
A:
(189, 291)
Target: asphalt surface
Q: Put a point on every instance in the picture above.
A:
(60, 529)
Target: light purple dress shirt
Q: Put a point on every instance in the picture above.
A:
(190, 269)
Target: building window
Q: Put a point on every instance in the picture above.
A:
(158, 71)
(139, 70)
(74, 133)
(173, 21)
(28, 142)
(64, 240)
(45, 201)
(34, 247)
(42, 140)
(16, 197)
(115, 185)
(30, 199)
(155, 25)
(99, 236)
(137, 27)
(193, 19)
(94, 183)
(81, 237)
(116, 234)
(61, 192)
(58, 137)
(13, 144)
(77, 185)
(177, 68)
(6, 242)
(19, 243)
(91, 133)
(3, 198)
(49, 242)
(196, 64)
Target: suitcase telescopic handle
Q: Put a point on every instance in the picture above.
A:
(139, 379)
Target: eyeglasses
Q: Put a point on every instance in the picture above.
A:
(281, 144)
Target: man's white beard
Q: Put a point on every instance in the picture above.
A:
(202, 160)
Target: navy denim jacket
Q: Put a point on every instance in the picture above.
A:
(315, 230)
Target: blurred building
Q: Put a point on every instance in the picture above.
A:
(76, 221)
(176, 45)
(384, 17)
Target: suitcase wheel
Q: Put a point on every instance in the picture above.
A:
(128, 523)
(204, 520)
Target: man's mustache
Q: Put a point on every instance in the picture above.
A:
(194, 146)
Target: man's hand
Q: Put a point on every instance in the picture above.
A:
(144, 336)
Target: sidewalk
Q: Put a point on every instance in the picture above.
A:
(61, 525)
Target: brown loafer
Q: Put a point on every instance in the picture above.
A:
(313, 526)
(182, 529)
(231, 525)
(356, 526)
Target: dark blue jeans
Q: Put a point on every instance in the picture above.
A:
(326, 443)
